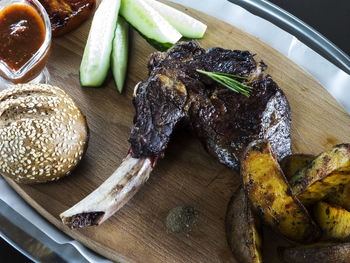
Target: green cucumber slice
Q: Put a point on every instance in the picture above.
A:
(97, 53)
(185, 24)
(151, 25)
(120, 53)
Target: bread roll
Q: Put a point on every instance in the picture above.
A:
(43, 134)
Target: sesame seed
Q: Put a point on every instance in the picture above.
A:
(30, 144)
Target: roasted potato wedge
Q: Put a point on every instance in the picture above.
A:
(341, 197)
(242, 229)
(66, 15)
(317, 253)
(271, 197)
(292, 163)
(333, 220)
(319, 178)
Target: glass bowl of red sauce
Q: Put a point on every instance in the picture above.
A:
(25, 41)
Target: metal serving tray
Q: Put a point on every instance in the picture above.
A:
(299, 29)
(72, 251)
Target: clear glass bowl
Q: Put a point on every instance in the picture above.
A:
(34, 69)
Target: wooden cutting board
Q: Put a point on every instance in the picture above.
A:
(187, 175)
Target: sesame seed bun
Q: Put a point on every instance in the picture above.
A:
(43, 134)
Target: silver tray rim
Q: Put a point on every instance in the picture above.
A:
(284, 20)
(305, 33)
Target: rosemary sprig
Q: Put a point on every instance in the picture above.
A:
(229, 81)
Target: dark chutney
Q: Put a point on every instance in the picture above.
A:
(22, 33)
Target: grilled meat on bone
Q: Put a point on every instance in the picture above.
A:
(226, 122)
(176, 95)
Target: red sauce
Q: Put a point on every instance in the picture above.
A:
(22, 32)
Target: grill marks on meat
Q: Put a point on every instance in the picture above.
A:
(225, 122)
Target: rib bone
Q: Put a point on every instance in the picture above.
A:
(110, 196)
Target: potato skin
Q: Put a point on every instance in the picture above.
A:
(341, 197)
(243, 232)
(317, 253)
(294, 162)
(319, 178)
(333, 220)
(271, 197)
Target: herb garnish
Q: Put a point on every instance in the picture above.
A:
(229, 81)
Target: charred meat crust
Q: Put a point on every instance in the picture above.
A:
(84, 219)
(154, 101)
(224, 121)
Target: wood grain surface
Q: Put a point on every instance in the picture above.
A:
(187, 175)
